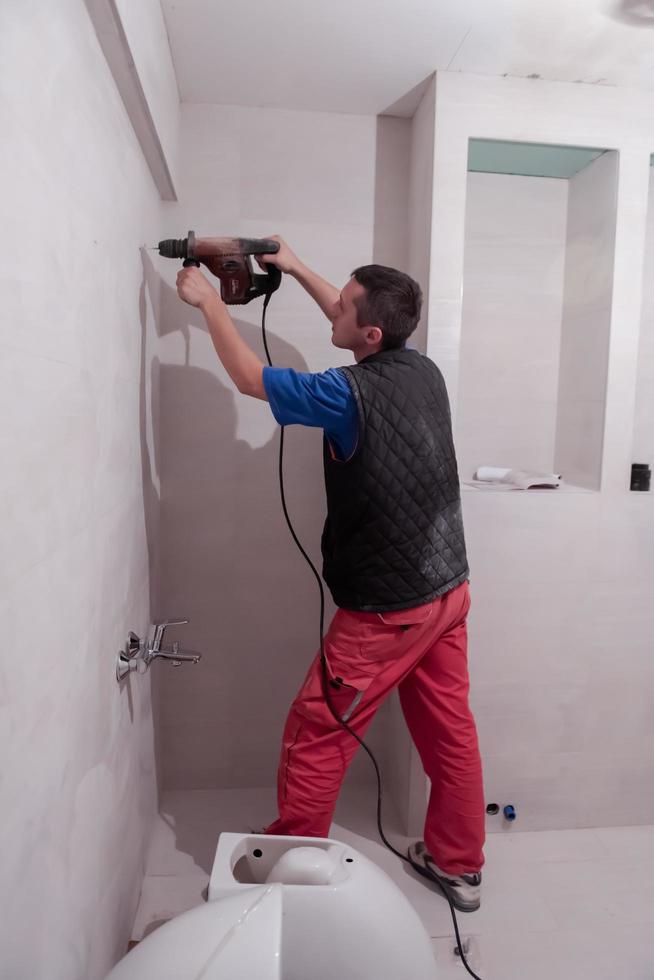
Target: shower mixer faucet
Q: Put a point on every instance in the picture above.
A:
(138, 655)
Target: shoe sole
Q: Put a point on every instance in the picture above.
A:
(442, 884)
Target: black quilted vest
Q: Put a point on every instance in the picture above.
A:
(393, 537)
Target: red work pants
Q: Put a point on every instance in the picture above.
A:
(423, 652)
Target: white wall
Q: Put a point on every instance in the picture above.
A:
(134, 41)
(515, 246)
(405, 775)
(147, 37)
(228, 562)
(586, 324)
(562, 615)
(643, 449)
(392, 185)
(420, 210)
(78, 499)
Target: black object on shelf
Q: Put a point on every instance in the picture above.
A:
(641, 476)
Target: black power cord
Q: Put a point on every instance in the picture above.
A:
(325, 678)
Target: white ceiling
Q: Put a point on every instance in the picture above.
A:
(363, 56)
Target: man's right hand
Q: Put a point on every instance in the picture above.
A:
(285, 260)
(324, 294)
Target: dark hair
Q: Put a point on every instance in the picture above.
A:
(392, 302)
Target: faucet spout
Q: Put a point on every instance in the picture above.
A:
(177, 658)
(173, 654)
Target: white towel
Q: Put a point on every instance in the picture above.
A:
(491, 473)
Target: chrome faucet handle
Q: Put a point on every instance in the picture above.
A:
(160, 628)
(133, 646)
(128, 657)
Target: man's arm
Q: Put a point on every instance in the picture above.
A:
(241, 363)
(325, 295)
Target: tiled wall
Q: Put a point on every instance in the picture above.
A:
(562, 615)
(420, 206)
(228, 562)
(537, 289)
(586, 324)
(511, 328)
(78, 500)
(643, 450)
(404, 774)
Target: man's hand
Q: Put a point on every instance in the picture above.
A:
(194, 288)
(285, 260)
(241, 363)
(318, 288)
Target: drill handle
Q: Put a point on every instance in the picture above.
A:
(271, 280)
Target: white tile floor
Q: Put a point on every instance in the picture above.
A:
(570, 905)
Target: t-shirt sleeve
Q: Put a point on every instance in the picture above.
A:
(323, 400)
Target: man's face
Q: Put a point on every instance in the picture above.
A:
(346, 333)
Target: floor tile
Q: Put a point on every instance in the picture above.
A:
(556, 905)
(592, 894)
(450, 966)
(544, 845)
(628, 843)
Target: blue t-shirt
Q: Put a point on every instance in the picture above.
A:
(324, 400)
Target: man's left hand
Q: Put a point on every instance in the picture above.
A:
(193, 287)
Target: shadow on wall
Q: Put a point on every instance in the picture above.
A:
(639, 13)
(221, 556)
(151, 500)
(149, 393)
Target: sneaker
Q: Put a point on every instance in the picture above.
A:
(464, 891)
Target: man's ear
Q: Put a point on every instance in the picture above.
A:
(374, 335)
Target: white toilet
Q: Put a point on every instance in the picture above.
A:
(289, 908)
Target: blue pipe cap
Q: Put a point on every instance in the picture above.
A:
(509, 812)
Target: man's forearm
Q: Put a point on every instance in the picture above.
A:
(241, 363)
(318, 288)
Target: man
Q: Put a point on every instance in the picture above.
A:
(393, 557)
